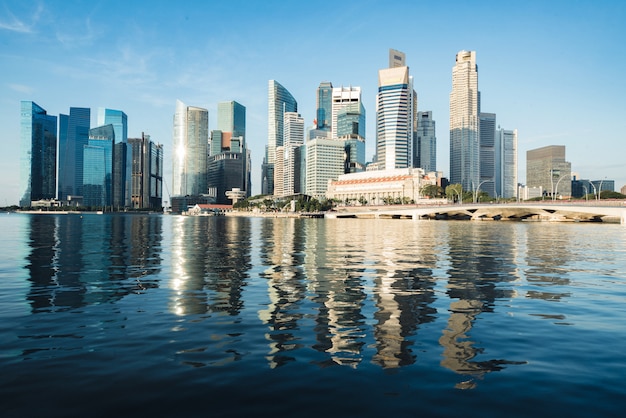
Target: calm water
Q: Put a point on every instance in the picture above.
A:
(132, 315)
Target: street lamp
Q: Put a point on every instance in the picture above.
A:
(595, 191)
(556, 189)
(600, 188)
(478, 188)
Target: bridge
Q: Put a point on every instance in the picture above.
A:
(597, 211)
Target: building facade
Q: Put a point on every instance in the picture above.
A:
(98, 159)
(324, 162)
(279, 102)
(122, 181)
(324, 106)
(487, 159)
(73, 136)
(285, 166)
(425, 145)
(547, 168)
(38, 154)
(191, 138)
(395, 114)
(464, 122)
(506, 163)
(146, 173)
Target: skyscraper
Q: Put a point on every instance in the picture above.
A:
(191, 138)
(487, 159)
(506, 163)
(123, 158)
(38, 154)
(324, 106)
(546, 167)
(395, 108)
(98, 167)
(147, 173)
(229, 163)
(425, 145)
(464, 122)
(293, 137)
(279, 102)
(73, 136)
(347, 102)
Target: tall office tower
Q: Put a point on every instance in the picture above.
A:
(464, 122)
(146, 173)
(351, 129)
(395, 115)
(506, 163)
(324, 106)
(191, 142)
(98, 167)
(279, 102)
(284, 169)
(73, 136)
(38, 156)
(123, 163)
(425, 145)
(487, 158)
(346, 99)
(228, 164)
(546, 167)
(324, 161)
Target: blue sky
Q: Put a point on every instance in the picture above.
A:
(554, 70)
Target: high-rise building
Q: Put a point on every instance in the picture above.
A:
(229, 159)
(147, 173)
(347, 102)
(425, 145)
(464, 122)
(38, 156)
(285, 165)
(279, 102)
(191, 141)
(546, 168)
(324, 162)
(324, 106)
(506, 163)
(98, 167)
(395, 114)
(73, 136)
(123, 161)
(487, 158)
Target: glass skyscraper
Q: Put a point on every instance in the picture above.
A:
(425, 148)
(123, 163)
(73, 136)
(191, 139)
(147, 173)
(38, 156)
(464, 122)
(487, 135)
(395, 114)
(279, 102)
(324, 106)
(98, 167)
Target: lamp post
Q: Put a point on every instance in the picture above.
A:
(600, 188)
(595, 191)
(556, 189)
(478, 188)
(586, 193)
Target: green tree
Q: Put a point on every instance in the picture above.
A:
(454, 192)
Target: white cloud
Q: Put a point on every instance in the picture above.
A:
(21, 88)
(15, 24)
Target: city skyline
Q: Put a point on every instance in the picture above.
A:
(542, 71)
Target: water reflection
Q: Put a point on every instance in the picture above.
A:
(210, 263)
(76, 261)
(479, 260)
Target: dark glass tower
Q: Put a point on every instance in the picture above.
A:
(73, 136)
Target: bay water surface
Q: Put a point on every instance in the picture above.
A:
(152, 315)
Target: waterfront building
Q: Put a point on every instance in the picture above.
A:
(73, 136)
(603, 185)
(506, 163)
(279, 102)
(285, 164)
(425, 145)
(146, 173)
(487, 159)
(546, 167)
(191, 137)
(324, 106)
(98, 176)
(464, 122)
(228, 166)
(347, 101)
(123, 160)
(380, 187)
(38, 154)
(396, 104)
(324, 162)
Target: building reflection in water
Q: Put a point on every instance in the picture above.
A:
(77, 260)
(210, 263)
(477, 264)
